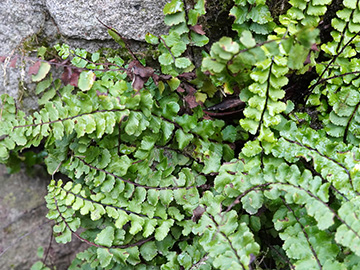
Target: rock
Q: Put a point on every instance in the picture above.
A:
(132, 18)
(19, 20)
(72, 22)
(24, 227)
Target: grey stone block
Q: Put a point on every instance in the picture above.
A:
(73, 22)
(19, 19)
(131, 18)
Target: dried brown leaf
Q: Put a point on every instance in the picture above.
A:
(308, 59)
(191, 101)
(189, 89)
(143, 72)
(74, 78)
(34, 69)
(180, 90)
(198, 29)
(197, 213)
(139, 74)
(70, 76)
(314, 47)
(137, 83)
(188, 76)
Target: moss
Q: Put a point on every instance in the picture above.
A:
(217, 20)
(277, 8)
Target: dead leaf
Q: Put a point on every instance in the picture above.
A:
(314, 47)
(139, 74)
(191, 101)
(74, 79)
(143, 72)
(33, 70)
(137, 83)
(65, 77)
(187, 76)
(180, 90)
(197, 213)
(308, 60)
(189, 89)
(198, 29)
(70, 76)
(165, 77)
(161, 77)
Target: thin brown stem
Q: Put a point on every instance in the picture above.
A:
(167, 47)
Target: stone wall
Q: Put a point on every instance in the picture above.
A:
(23, 226)
(74, 22)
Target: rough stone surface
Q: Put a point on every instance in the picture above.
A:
(19, 20)
(131, 18)
(72, 22)
(23, 225)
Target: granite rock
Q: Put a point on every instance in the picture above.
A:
(19, 19)
(132, 18)
(72, 22)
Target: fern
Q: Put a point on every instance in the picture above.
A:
(157, 176)
(342, 73)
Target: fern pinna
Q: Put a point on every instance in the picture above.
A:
(248, 159)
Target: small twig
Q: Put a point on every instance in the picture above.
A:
(220, 114)
(48, 249)
(349, 122)
(55, 171)
(167, 47)
(123, 39)
(338, 76)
